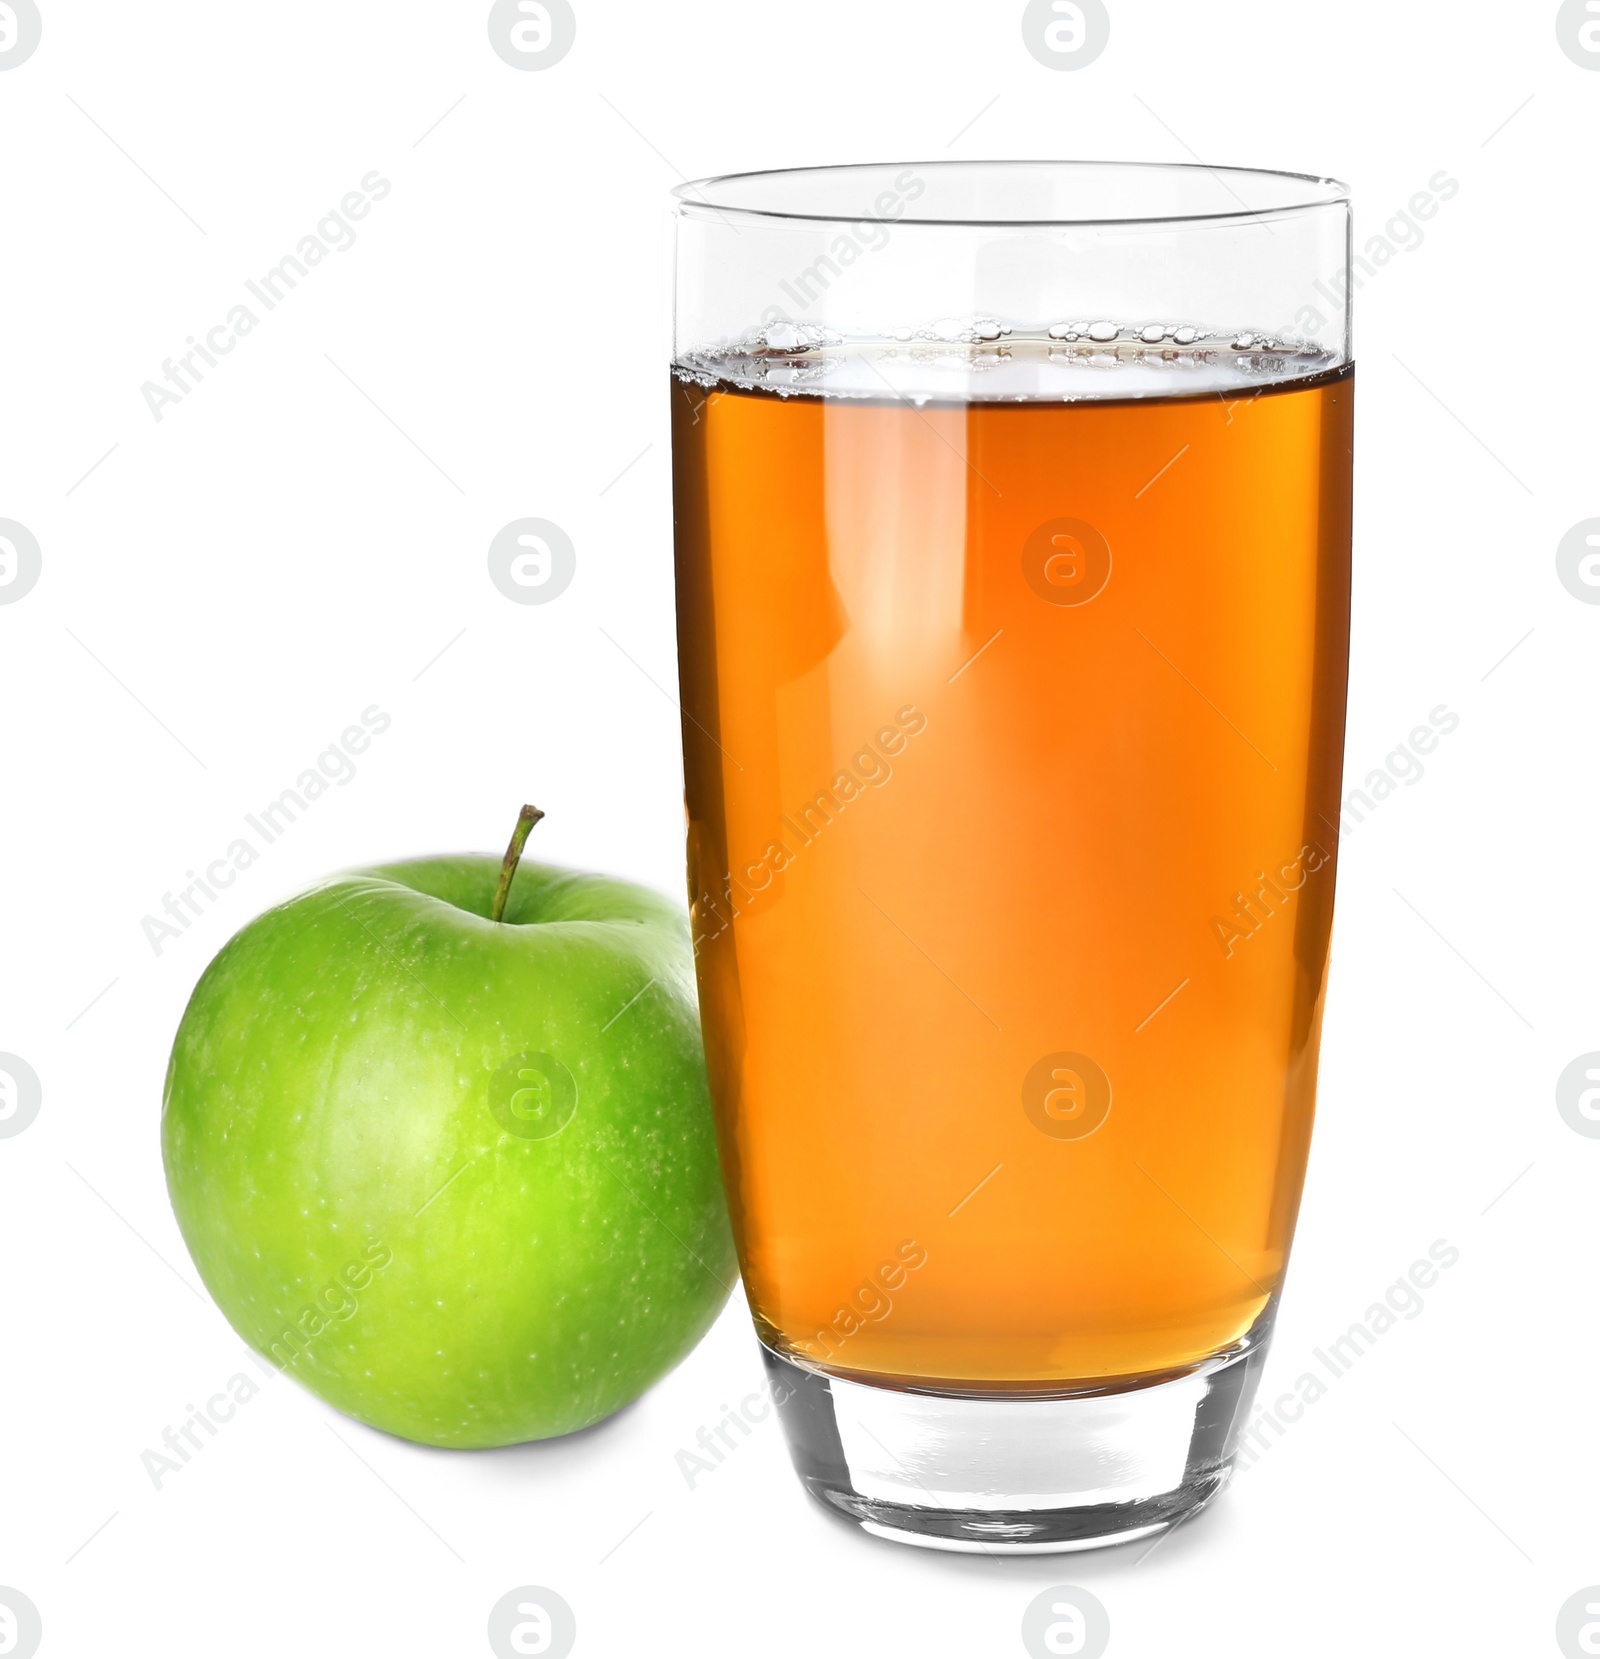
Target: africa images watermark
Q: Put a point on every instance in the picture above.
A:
(1402, 233)
(184, 1442)
(717, 1441)
(860, 237)
(21, 1095)
(334, 233)
(759, 878)
(20, 561)
(337, 1302)
(335, 767)
(870, 1301)
(1403, 764)
(1402, 1300)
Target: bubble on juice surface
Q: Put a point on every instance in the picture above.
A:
(958, 357)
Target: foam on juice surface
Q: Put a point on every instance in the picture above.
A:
(981, 359)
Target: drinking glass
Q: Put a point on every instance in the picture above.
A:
(1013, 539)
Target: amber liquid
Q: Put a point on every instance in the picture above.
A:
(1012, 860)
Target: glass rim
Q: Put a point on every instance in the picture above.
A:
(1318, 192)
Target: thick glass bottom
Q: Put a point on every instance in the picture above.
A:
(1013, 1474)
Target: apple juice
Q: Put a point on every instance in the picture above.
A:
(1012, 729)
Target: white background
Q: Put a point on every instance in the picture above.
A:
(227, 589)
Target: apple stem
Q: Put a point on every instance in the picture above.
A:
(526, 819)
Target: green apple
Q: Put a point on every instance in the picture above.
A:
(454, 1169)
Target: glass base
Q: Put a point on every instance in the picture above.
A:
(1017, 1475)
